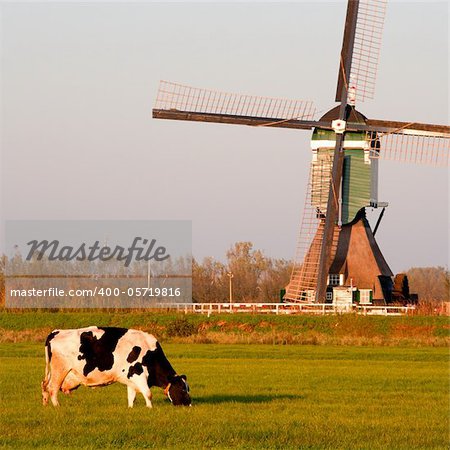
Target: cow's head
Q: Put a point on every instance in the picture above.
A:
(178, 391)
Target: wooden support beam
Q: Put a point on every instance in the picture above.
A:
(381, 126)
(338, 157)
(390, 126)
(174, 114)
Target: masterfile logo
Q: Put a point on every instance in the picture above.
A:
(99, 264)
(54, 251)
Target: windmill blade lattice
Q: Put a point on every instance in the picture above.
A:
(413, 148)
(178, 97)
(303, 282)
(367, 45)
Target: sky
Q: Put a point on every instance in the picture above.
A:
(78, 82)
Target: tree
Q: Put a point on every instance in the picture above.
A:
(247, 266)
(256, 278)
(275, 278)
(208, 281)
(431, 283)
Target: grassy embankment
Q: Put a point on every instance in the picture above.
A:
(348, 329)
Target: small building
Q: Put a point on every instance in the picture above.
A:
(343, 298)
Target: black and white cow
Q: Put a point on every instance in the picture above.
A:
(98, 356)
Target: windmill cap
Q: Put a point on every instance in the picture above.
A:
(352, 115)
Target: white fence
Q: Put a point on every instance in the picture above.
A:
(285, 308)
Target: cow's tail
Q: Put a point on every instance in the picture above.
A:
(47, 363)
(48, 353)
(48, 358)
(45, 381)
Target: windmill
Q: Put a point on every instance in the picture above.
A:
(336, 245)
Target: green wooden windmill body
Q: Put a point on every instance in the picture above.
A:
(360, 172)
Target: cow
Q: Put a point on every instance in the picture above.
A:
(99, 356)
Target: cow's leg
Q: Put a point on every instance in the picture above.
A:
(45, 384)
(46, 380)
(45, 393)
(141, 384)
(59, 372)
(131, 391)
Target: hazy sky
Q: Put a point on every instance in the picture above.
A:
(78, 82)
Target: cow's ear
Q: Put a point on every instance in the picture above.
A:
(184, 377)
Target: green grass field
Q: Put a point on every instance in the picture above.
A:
(244, 396)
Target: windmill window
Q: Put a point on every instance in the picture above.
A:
(365, 296)
(334, 279)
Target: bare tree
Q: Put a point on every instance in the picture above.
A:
(209, 281)
(431, 283)
(256, 278)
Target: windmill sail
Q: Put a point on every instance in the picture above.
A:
(180, 102)
(418, 143)
(414, 148)
(345, 97)
(366, 50)
(303, 281)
